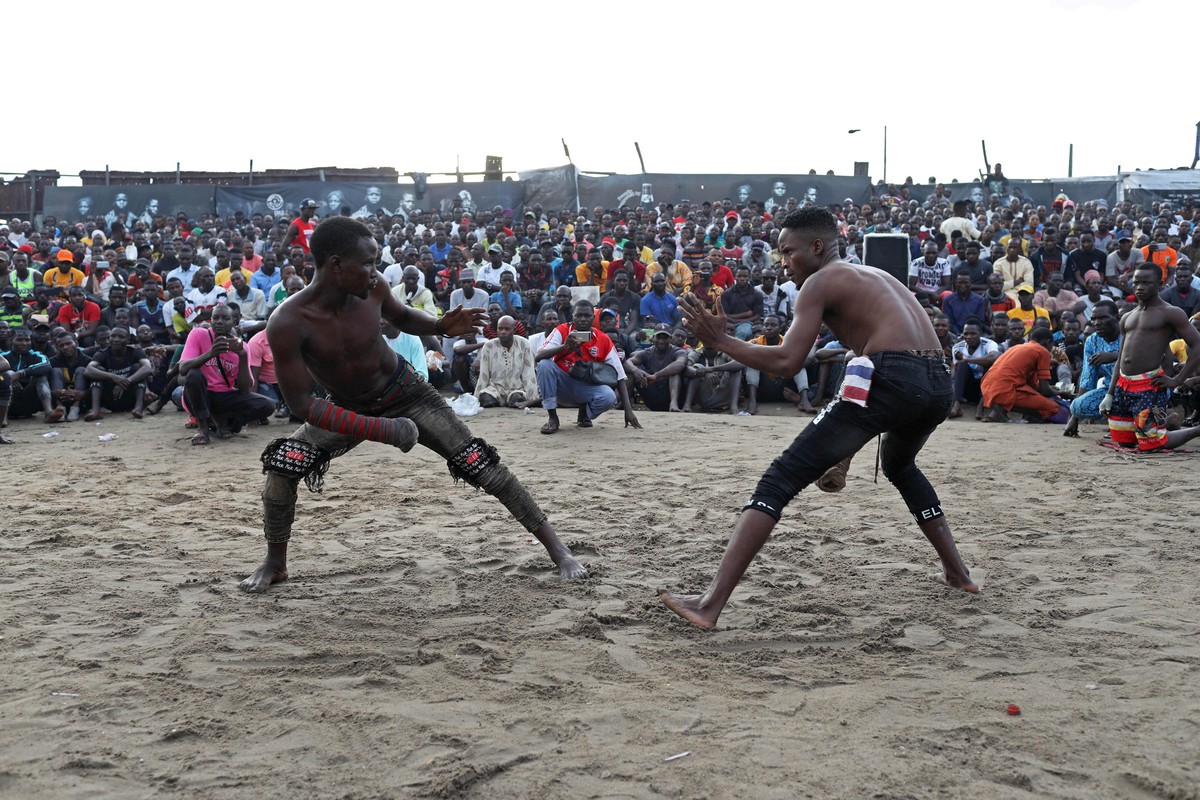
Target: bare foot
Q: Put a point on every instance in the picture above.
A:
(268, 573)
(568, 568)
(673, 408)
(92, 416)
(5, 440)
(55, 415)
(689, 607)
(995, 414)
(963, 582)
(955, 411)
(136, 413)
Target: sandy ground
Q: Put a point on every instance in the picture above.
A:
(424, 647)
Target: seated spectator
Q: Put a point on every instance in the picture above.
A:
(118, 374)
(28, 376)
(506, 368)
(743, 305)
(628, 304)
(676, 273)
(977, 267)
(547, 321)
(1019, 380)
(574, 342)
(1026, 311)
(464, 365)
(629, 263)
(941, 327)
(963, 304)
(205, 297)
(1099, 360)
(149, 312)
(508, 298)
(1055, 298)
(80, 316)
(68, 383)
(488, 275)
(1180, 293)
(262, 370)
(930, 274)
(657, 371)
(412, 294)
(12, 312)
(714, 381)
(215, 371)
(775, 388)
(971, 356)
(1084, 260)
(775, 300)
(658, 302)
(708, 292)
(251, 301)
(64, 272)
(1014, 268)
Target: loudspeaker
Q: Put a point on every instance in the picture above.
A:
(888, 252)
(493, 169)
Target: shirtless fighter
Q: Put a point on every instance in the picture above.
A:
(900, 388)
(329, 333)
(1137, 400)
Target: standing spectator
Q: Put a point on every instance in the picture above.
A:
(301, 229)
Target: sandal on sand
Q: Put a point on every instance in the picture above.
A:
(550, 427)
(200, 438)
(92, 416)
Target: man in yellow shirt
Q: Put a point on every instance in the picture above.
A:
(64, 274)
(1026, 311)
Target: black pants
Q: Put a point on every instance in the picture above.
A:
(909, 398)
(236, 407)
(967, 388)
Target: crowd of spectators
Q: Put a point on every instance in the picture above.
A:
(132, 314)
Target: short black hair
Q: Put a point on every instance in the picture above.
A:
(1109, 304)
(1040, 335)
(336, 236)
(815, 221)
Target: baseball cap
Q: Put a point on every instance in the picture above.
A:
(4, 256)
(1124, 236)
(308, 202)
(143, 262)
(9, 291)
(495, 248)
(65, 255)
(662, 328)
(467, 274)
(25, 248)
(731, 214)
(604, 311)
(1025, 287)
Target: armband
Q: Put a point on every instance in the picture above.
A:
(296, 459)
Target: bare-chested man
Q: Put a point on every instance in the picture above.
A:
(1137, 400)
(329, 333)
(901, 388)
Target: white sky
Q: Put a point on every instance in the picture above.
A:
(704, 87)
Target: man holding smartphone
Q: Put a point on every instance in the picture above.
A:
(567, 344)
(215, 373)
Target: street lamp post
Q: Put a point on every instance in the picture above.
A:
(856, 130)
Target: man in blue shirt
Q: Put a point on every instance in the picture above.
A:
(658, 303)
(964, 303)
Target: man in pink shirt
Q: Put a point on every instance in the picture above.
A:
(215, 372)
(262, 370)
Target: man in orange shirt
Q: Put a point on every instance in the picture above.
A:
(1162, 254)
(1019, 380)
